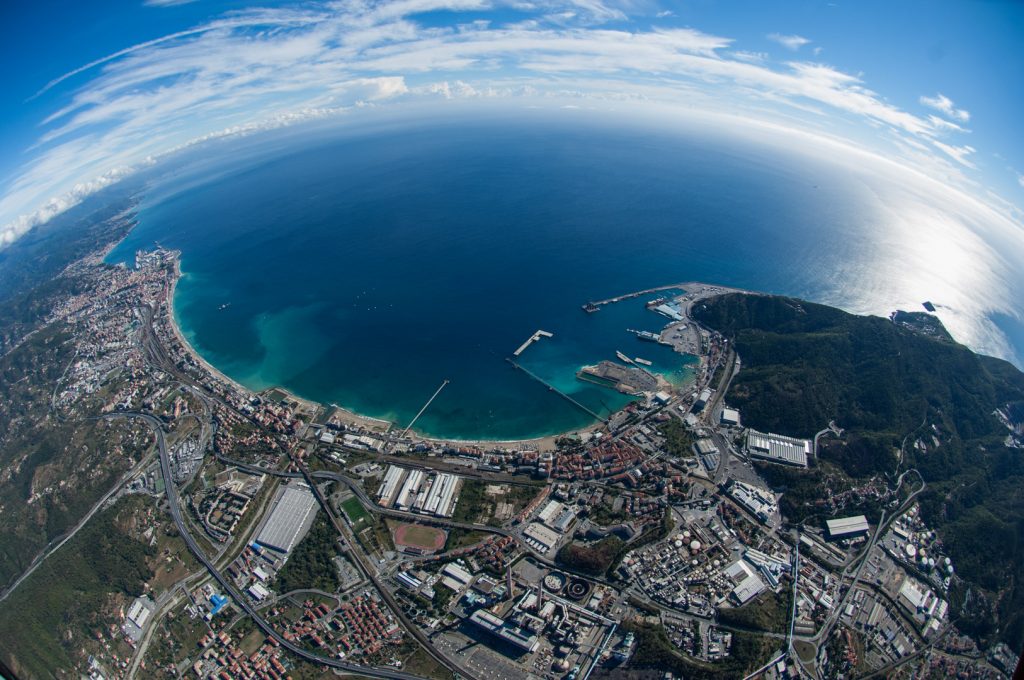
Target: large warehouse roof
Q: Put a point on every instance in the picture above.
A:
(847, 525)
(778, 448)
(292, 515)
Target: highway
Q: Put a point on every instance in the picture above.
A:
(229, 588)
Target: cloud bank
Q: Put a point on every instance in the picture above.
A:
(259, 68)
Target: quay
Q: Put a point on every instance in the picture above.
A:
(557, 391)
(595, 306)
(533, 338)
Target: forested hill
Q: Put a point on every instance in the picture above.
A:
(805, 364)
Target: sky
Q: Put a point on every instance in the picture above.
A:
(101, 89)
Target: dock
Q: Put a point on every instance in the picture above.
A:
(533, 338)
(557, 391)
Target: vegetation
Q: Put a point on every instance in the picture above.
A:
(311, 564)
(651, 535)
(51, 621)
(806, 364)
(594, 559)
(678, 441)
(655, 651)
(769, 612)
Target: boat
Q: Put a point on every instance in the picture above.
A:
(643, 362)
(224, 306)
(646, 335)
(623, 357)
(590, 308)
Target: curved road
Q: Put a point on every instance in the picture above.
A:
(228, 587)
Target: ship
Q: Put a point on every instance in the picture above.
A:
(590, 308)
(623, 357)
(655, 302)
(643, 362)
(646, 335)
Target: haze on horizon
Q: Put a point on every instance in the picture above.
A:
(924, 96)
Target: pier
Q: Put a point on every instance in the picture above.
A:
(595, 306)
(406, 430)
(557, 391)
(533, 338)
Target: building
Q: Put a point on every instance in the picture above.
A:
(290, 519)
(759, 502)
(730, 417)
(847, 527)
(496, 626)
(540, 537)
(777, 448)
(390, 486)
(747, 583)
(455, 577)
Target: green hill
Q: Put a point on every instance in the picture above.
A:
(805, 364)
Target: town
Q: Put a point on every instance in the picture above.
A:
(319, 538)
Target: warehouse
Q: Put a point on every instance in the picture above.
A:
(390, 486)
(847, 527)
(777, 448)
(407, 497)
(540, 537)
(290, 519)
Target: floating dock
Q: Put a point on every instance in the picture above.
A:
(533, 338)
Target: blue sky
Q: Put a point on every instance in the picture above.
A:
(931, 85)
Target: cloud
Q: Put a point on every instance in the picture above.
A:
(957, 153)
(250, 69)
(790, 42)
(944, 104)
(1020, 179)
(166, 3)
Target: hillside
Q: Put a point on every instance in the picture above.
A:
(805, 364)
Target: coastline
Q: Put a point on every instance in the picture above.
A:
(541, 444)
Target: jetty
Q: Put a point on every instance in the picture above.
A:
(533, 338)
(554, 389)
(406, 430)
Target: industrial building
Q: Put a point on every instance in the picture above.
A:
(540, 537)
(760, 502)
(777, 448)
(730, 417)
(747, 583)
(390, 486)
(496, 626)
(847, 527)
(290, 518)
(417, 491)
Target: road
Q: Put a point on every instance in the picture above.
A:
(57, 543)
(229, 588)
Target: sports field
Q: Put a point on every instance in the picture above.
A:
(419, 536)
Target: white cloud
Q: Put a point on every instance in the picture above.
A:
(944, 104)
(250, 69)
(790, 42)
(166, 3)
(957, 153)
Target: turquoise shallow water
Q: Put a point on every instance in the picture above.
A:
(364, 269)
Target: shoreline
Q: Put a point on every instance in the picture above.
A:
(541, 443)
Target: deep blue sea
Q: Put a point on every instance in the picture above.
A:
(364, 268)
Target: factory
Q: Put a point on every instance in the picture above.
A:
(777, 448)
(418, 491)
(847, 527)
(759, 502)
(540, 537)
(748, 584)
(496, 626)
(290, 518)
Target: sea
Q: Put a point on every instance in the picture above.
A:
(364, 266)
